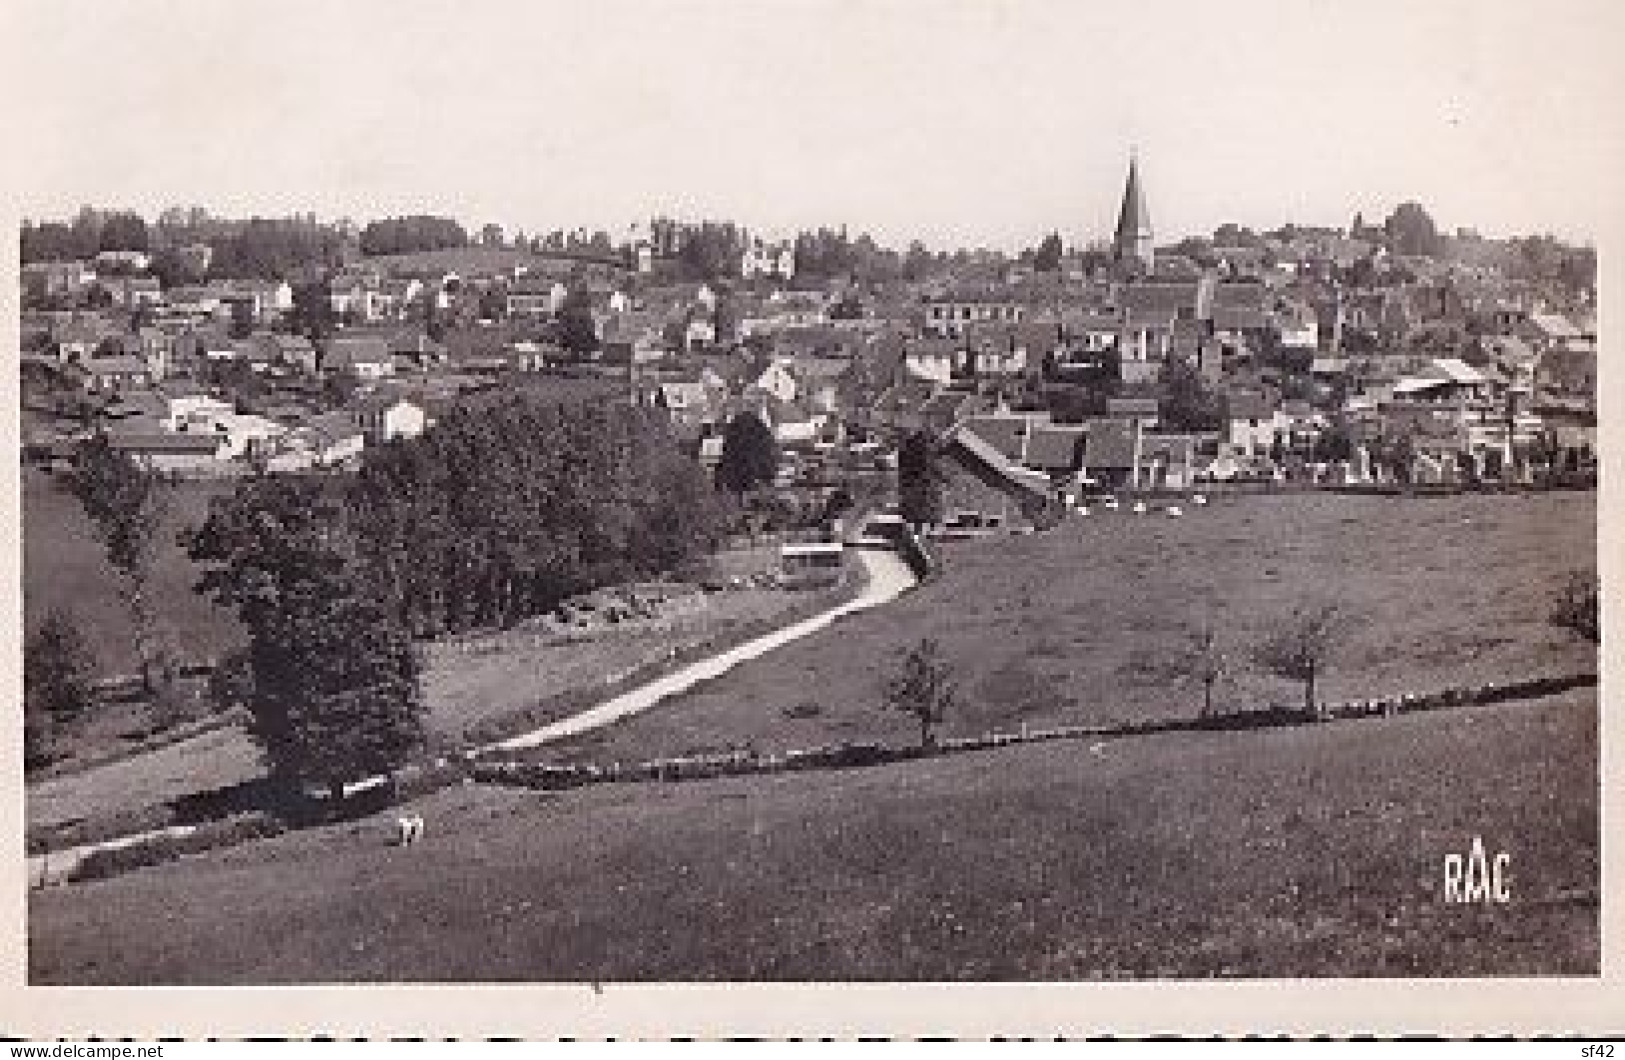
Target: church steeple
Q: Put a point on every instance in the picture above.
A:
(1132, 243)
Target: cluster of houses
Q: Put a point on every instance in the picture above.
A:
(1473, 371)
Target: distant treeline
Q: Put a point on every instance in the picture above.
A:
(407, 235)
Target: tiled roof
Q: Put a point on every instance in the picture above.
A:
(358, 349)
(1143, 298)
(333, 426)
(1109, 443)
(1249, 406)
(1240, 296)
(1007, 434)
(1239, 318)
(1055, 447)
(1137, 407)
(1038, 336)
(121, 365)
(164, 442)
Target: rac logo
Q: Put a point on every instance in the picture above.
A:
(1477, 877)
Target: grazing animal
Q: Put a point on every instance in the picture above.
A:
(409, 829)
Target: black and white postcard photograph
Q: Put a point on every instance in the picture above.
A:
(963, 496)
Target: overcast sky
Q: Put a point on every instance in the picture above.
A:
(961, 122)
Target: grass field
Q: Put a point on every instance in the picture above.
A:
(1067, 626)
(467, 681)
(1307, 851)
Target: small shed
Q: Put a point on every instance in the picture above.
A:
(798, 556)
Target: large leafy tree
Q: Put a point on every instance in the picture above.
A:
(750, 456)
(1188, 403)
(124, 231)
(578, 331)
(57, 664)
(1411, 231)
(1048, 256)
(332, 671)
(919, 480)
(312, 314)
(127, 504)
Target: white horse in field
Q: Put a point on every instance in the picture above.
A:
(409, 829)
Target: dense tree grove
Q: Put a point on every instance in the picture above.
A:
(830, 253)
(495, 515)
(126, 504)
(404, 235)
(89, 233)
(509, 506)
(274, 249)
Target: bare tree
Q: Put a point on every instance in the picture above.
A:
(922, 686)
(1300, 646)
(1199, 658)
(1205, 661)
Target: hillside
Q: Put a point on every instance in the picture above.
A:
(1071, 626)
(1297, 852)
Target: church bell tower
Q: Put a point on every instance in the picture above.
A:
(1131, 246)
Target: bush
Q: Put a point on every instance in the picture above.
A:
(98, 829)
(1576, 608)
(103, 864)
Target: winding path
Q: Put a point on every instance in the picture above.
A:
(888, 578)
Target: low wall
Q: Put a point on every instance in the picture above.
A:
(517, 771)
(511, 768)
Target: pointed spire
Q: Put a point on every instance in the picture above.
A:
(1133, 237)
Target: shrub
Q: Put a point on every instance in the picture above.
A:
(1576, 608)
(103, 864)
(98, 829)
(807, 708)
